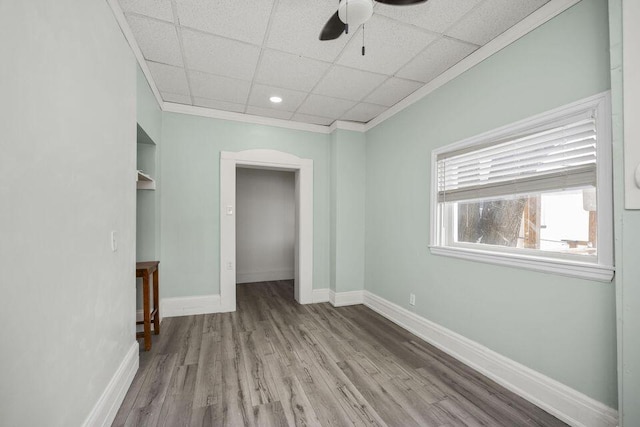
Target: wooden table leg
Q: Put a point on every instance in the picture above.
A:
(147, 320)
(156, 304)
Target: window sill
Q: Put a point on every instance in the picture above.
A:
(581, 270)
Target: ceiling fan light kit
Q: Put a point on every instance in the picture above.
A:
(353, 13)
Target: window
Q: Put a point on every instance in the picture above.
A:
(536, 194)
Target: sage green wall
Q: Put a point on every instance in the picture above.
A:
(148, 113)
(562, 327)
(348, 154)
(149, 118)
(190, 194)
(67, 165)
(627, 245)
(333, 196)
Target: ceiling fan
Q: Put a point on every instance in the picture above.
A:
(355, 13)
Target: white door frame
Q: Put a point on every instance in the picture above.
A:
(274, 160)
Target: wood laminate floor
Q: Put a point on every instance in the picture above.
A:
(277, 363)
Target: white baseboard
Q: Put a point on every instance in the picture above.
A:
(106, 408)
(188, 306)
(556, 398)
(340, 299)
(320, 295)
(264, 276)
(206, 304)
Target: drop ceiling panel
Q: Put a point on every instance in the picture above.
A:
(220, 88)
(231, 55)
(177, 98)
(316, 120)
(491, 18)
(296, 27)
(215, 55)
(159, 9)
(385, 54)
(158, 41)
(291, 99)
(435, 59)
(218, 105)
(269, 112)
(289, 70)
(392, 91)
(434, 15)
(239, 20)
(169, 79)
(347, 83)
(323, 106)
(363, 112)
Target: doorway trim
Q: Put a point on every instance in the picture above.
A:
(303, 251)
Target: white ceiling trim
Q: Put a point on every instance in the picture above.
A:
(344, 125)
(531, 22)
(128, 35)
(241, 117)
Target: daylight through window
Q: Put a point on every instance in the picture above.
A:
(537, 190)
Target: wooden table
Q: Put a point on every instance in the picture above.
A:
(144, 270)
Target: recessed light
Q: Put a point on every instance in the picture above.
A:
(275, 99)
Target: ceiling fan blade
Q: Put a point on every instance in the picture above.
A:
(333, 28)
(401, 2)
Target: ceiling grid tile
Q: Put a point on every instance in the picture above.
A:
(232, 55)
(159, 9)
(158, 40)
(347, 83)
(491, 18)
(324, 106)
(392, 91)
(169, 78)
(239, 20)
(219, 88)
(435, 59)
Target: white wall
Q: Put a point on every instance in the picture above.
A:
(265, 225)
(67, 165)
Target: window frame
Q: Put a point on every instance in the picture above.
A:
(602, 268)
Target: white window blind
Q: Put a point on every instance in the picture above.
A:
(560, 156)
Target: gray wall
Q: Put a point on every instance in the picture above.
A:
(67, 179)
(561, 327)
(265, 225)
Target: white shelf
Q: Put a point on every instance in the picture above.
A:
(145, 182)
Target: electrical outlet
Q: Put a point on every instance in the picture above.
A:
(412, 299)
(229, 265)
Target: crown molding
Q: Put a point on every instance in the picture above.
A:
(240, 117)
(344, 125)
(530, 23)
(128, 35)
